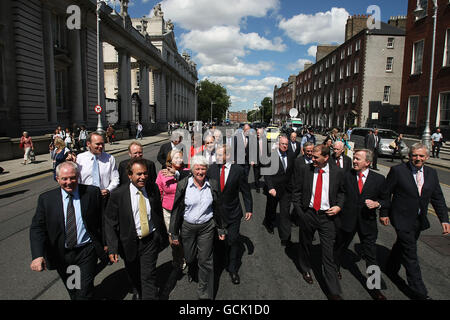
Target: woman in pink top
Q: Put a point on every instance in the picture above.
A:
(167, 185)
(27, 146)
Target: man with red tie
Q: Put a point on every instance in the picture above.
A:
(365, 193)
(232, 179)
(318, 197)
(339, 158)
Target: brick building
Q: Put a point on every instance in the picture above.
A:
(416, 69)
(283, 100)
(238, 117)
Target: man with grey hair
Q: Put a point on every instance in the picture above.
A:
(174, 143)
(365, 193)
(412, 186)
(339, 158)
(66, 231)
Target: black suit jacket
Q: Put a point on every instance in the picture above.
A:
(348, 165)
(370, 142)
(241, 152)
(355, 210)
(47, 231)
(163, 152)
(120, 228)
(303, 184)
(123, 174)
(406, 200)
(237, 181)
(282, 180)
(298, 148)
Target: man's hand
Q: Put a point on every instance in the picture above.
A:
(168, 172)
(372, 204)
(222, 237)
(273, 192)
(248, 216)
(114, 258)
(38, 264)
(176, 242)
(445, 228)
(333, 211)
(384, 221)
(105, 192)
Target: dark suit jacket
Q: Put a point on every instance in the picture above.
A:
(298, 148)
(348, 165)
(176, 219)
(120, 228)
(238, 145)
(355, 210)
(303, 184)
(163, 152)
(237, 181)
(282, 180)
(123, 174)
(47, 231)
(406, 200)
(370, 142)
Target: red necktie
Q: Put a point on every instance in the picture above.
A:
(338, 162)
(360, 182)
(318, 192)
(222, 178)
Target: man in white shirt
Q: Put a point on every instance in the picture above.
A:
(436, 142)
(97, 168)
(210, 152)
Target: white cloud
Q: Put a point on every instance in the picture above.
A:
(235, 99)
(322, 27)
(224, 80)
(312, 51)
(237, 69)
(298, 65)
(258, 86)
(203, 14)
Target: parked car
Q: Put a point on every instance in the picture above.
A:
(386, 137)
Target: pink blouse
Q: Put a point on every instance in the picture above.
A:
(167, 187)
(27, 142)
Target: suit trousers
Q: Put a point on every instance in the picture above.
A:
(310, 221)
(85, 258)
(257, 174)
(404, 252)
(232, 241)
(375, 159)
(198, 242)
(281, 220)
(142, 270)
(368, 245)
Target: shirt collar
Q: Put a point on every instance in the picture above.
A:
(135, 190)
(192, 184)
(414, 169)
(325, 169)
(365, 173)
(65, 194)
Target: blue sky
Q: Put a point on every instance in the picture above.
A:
(251, 45)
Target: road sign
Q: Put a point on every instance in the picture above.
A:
(98, 109)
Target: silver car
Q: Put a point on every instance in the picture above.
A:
(358, 136)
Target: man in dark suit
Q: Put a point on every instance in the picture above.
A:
(365, 192)
(318, 197)
(278, 189)
(373, 144)
(412, 186)
(232, 180)
(262, 157)
(339, 158)
(164, 150)
(66, 232)
(306, 158)
(294, 146)
(135, 150)
(241, 148)
(135, 229)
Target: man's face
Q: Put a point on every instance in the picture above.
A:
(293, 137)
(140, 175)
(199, 173)
(221, 156)
(438, 130)
(319, 161)
(96, 145)
(67, 179)
(209, 143)
(359, 161)
(136, 152)
(375, 132)
(246, 128)
(338, 150)
(176, 141)
(308, 151)
(283, 144)
(419, 157)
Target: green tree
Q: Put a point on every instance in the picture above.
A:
(211, 91)
(266, 104)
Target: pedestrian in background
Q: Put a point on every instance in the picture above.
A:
(61, 154)
(82, 138)
(27, 144)
(68, 140)
(397, 143)
(110, 134)
(436, 142)
(139, 129)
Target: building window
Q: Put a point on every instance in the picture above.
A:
(321, 68)
(315, 71)
(332, 75)
(342, 54)
(349, 69)
(390, 43)
(59, 90)
(327, 63)
(331, 99)
(315, 85)
(358, 45)
(445, 109)
(347, 95)
(340, 97)
(341, 72)
(333, 59)
(416, 67)
(138, 78)
(389, 64)
(356, 66)
(58, 31)
(386, 94)
(349, 50)
(320, 83)
(447, 50)
(413, 108)
(354, 94)
(326, 79)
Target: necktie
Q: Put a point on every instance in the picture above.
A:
(419, 178)
(71, 225)
(95, 173)
(293, 146)
(260, 147)
(143, 215)
(222, 178)
(318, 192)
(360, 182)
(338, 162)
(283, 160)
(210, 158)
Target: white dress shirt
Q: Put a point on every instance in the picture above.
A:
(227, 171)
(109, 176)
(364, 177)
(135, 207)
(325, 203)
(341, 161)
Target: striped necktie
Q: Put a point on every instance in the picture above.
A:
(71, 224)
(95, 173)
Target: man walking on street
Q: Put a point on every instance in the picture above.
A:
(139, 129)
(373, 144)
(436, 142)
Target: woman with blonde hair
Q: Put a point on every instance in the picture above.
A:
(61, 154)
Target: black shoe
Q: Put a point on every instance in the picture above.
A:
(268, 227)
(235, 278)
(307, 277)
(334, 297)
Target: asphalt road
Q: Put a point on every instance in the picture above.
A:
(268, 270)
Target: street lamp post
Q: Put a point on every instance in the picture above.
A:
(99, 123)
(211, 111)
(427, 132)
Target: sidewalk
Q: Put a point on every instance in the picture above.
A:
(15, 170)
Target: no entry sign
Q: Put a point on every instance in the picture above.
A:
(98, 109)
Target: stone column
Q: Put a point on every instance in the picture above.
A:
(124, 86)
(75, 77)
(144, 92)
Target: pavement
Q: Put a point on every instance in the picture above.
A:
(15, 170)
